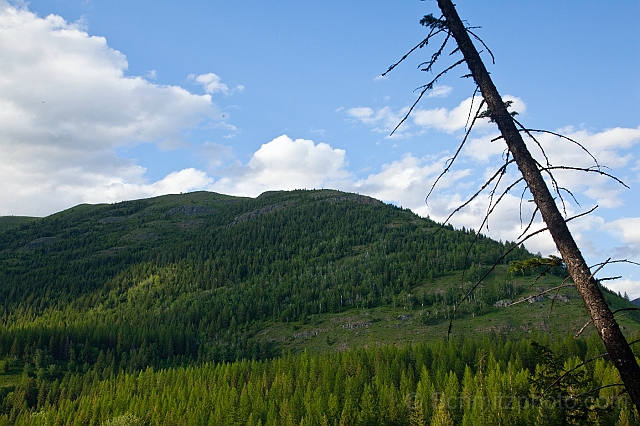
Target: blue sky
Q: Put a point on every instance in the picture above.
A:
(111, 100)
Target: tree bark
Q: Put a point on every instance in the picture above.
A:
(603, 319)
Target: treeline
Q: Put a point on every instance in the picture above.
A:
(464, 381)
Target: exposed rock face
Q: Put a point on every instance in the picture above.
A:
(39, 242)
(268, 209)
(560, 297)
(192, 210)
(360, 199)
(112, 219)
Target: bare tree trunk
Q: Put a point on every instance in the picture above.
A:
(587, 287)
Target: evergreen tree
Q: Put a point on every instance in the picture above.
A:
(417, 414)
(441, 416)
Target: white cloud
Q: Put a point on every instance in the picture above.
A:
(458, 118)
(605, 146)
(385, 119)
(212, 84)
(175, 182)
(608, 147)
(631, 287)
(442, 119)
(482, 150)
(284, 163)
(215, 154)
(440, 91)
(406, 181)
(65, 105)
(364, 114)
(627, 228)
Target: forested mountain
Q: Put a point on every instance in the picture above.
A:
(198, 274)
(102, 291)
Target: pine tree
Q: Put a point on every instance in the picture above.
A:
(417, 414)
(368, 412)
(623, 419)
(126, 419)
(441, 416)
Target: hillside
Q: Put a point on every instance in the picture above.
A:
(179, 281)
(208, 277)
(118, 314)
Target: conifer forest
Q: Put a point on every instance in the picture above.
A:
(293, 308)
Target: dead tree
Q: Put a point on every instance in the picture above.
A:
(587, 287)
(602, 318)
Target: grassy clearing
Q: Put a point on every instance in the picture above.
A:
(362, 328)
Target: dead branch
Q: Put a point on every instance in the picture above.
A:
(585, 363)
(451, 160)
(490, 208)
(610, 278)
(565, 374)
(473, 98)
(618, 261)
(424, 88)
(553, 302)
(432, 33)
(584, 327)
(493, 58)
(554, 184)
(560, 135)
(495, 264)
(599, 388)
(474, 196)
(549, 290)
(526, 229)
(429, 64)
(522, 128)
(625, 309)
(524, 190)
(614, 312)
(586, 170)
